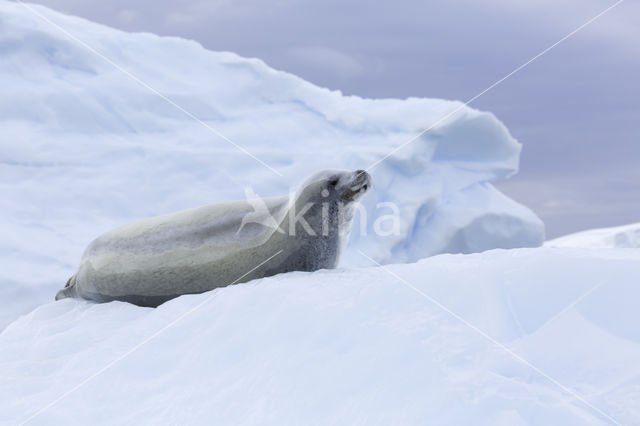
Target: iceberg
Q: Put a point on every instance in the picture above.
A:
(626, 236)
(100, 127)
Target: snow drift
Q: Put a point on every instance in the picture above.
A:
(626, 236)
(361, 346)
(99, 127)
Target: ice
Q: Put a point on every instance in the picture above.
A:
(100, 127)
(88, 142)
(626, 236)
(450, 340)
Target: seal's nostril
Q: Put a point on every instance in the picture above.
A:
(360, 172)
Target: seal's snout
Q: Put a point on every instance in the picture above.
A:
(359, 183)
(362, 179)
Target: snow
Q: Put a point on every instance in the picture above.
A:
(93, 139)
(626, 236)
(503, 337)
(348, 346)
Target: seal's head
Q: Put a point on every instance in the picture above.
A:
(341, 186)
(350, 186)
(327, 202)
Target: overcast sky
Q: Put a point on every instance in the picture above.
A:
(576, 109)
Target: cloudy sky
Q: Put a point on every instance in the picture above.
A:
(576, 109)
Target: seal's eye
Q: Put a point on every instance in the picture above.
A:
(333, 181)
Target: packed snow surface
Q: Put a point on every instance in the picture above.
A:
(627, 236)
(506, 337)
(99, 127)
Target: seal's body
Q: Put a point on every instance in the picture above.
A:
(154, 260)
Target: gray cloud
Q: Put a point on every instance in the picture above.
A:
(576, 109)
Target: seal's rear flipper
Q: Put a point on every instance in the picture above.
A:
(69, 289)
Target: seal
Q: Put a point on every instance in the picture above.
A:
(153, 260)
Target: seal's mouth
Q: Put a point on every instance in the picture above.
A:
(359, 184)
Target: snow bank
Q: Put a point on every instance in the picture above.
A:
(348, 347)
(627, 236)
(88, 143)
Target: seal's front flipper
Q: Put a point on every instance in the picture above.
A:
(69, 289)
